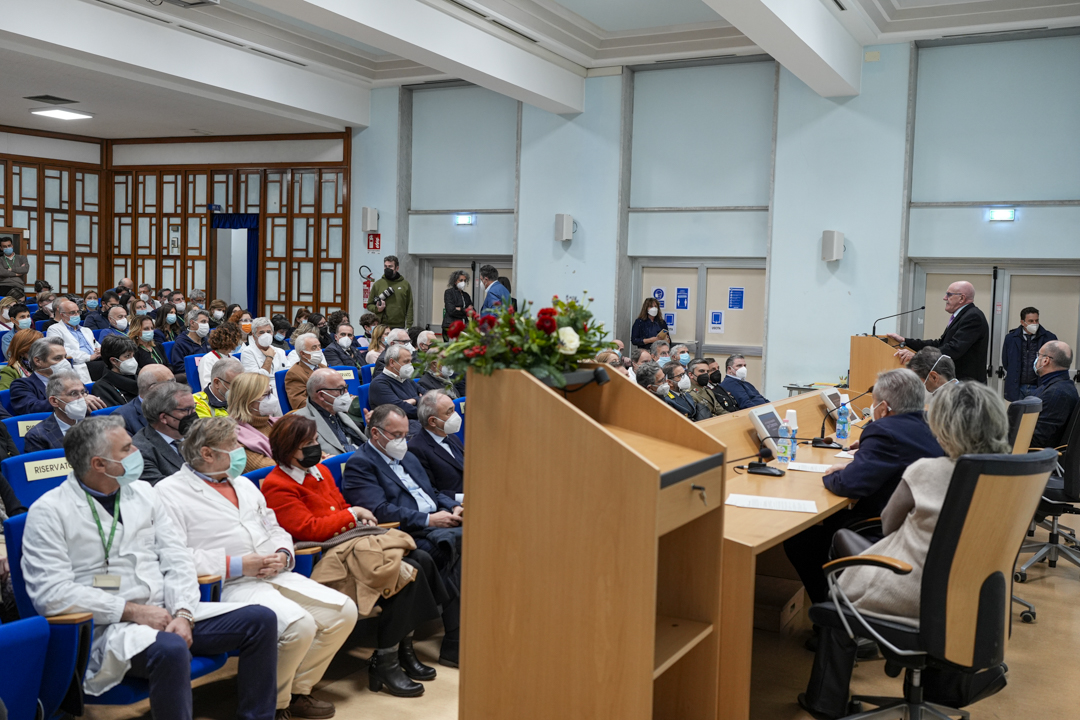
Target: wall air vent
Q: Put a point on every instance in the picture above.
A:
(50, 100)
(516, 32)
(466, 8)
(277, 57)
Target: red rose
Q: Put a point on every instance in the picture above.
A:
(585, 328)
(516, 350)
(482, 350)
(488, 321)
(547, 324)
(455, 329)
(547, 312)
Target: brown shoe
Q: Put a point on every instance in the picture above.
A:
(305, 706)
(282, 714)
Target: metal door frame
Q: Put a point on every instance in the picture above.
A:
(471, 263)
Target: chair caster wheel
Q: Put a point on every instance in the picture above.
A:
(1028, 616)
(1052, 563)
(854, 707)
(1020, 577)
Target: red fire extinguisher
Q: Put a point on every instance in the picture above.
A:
(368, 280)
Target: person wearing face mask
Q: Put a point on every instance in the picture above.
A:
(678, 396)
(169, 410)
(213, 400)
(13, 268)
(47, 356)
(698, 370)
(137, 308)
(20, 320)
(660, 352)
(438, 448)
(745, 394)
(241, 541)
(1018, 353)
(149, 377)
(282, 329)
(168, 324)
(198, 299)
(18, 362)
(343, 351)
(651, 376)
(385, 478)
(6, 321)
(328, 406)
(496, 296)
(682, 354)
(100, 529)
(98, 318)
(217, 313)
(118, 323)
(440, 377)
(117, 385)
(260, 353)
(398, 336)
(177, 300)
(898, 436)
(456, 300)
(242, 319)
(82, 349)
(67, 396)
(397, 309)
(223, 341)
(310, 355)
(1057, 392)
(148, 351)
(44, 312)
(933, 368)
(146, 294)
(650, 326)
(193, 342)
(252, 404)
(394, 386)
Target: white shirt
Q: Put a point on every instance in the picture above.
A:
(64, 427)
(71, 345)
(424, 503)
(300, 474)
(439, 441)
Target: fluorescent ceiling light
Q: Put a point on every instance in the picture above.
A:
(1002, 214)
(464, 219)
(62, 113)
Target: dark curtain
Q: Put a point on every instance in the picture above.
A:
(242, 221)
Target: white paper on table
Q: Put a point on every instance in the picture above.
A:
(844, 454)
(807, 467)
(758, 502)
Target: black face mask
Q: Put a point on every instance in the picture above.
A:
(312, 456)
(185, 424)
(389, 274)
(702, 380)
(716, 377)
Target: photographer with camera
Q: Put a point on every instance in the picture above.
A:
(391, 296)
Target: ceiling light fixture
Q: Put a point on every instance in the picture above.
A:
(62, 113)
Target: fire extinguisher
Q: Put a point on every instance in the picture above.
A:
(368, 280)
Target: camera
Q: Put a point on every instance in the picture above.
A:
(381, 297)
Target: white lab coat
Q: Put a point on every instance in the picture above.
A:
(252, 358)
(214, 529)
(62, 552)
(71, 345)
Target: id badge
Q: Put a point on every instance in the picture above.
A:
(267, 519)
(109, 583)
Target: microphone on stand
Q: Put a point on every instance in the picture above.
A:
(822, 442)
(906, 312)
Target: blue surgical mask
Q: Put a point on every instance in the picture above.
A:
(92, 304)
(133, 468)
(25, 324)
(237, 461)
(1035, 365)
(662, 361)
(141, 311)
(279, 337)
(9, 251)
(147, 335)
(684, 358)
(74, 321)
(171, 318)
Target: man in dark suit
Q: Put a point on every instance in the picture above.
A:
(438, 447)
(149, 377)
(398, 336)
(745, 394)
(394, 386)
(1057, 392)
(169, 410)
(343, 351)
(384, 478)
(965, 339)
(898, 436)
(99, 320)
(67, 395)
(46, 357)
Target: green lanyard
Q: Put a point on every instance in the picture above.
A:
(101, 530)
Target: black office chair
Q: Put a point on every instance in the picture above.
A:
(964, 615)
(1060, 497)
(1023, 416)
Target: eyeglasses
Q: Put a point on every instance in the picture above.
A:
(338, 390)
(949, 294)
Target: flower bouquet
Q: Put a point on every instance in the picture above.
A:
(548, 346)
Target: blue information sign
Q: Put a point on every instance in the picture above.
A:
(735, 298)
(682, 298)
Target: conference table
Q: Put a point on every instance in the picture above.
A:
(749, 532)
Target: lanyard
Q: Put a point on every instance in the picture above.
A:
(101, 530)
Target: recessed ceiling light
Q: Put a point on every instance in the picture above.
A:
(62, 114)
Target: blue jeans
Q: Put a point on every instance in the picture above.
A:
(167, 663)
(1028, 390)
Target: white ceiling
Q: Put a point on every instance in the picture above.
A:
(621, 15)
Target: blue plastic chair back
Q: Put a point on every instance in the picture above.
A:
(365, 373)
(32, 307)
(97, 333)
(336, 465)
(191, 367)
(106, 411)
(283, 399)
(23, 646)
(31, 475)
(167, 347)
(5, 400)
(40, 325)
(13, 534)
(351, 380)
(2, 334)
(362, 394)
(257, 476)
(459, 407)
(19, 425)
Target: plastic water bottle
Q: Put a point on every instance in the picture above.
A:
(783, 444)
(793, 426)
(843, 421)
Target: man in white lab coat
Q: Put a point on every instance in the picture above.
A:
(231, 532)
(103, 543)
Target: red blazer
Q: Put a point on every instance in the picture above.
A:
(314, 511)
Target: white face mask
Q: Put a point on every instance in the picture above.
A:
(653, 311)
(180, 306)
(395, 448)
(684, 383)
(452, 424)
(269, 407)
(741, 373)
(342, 403)
(129, 366)
(62, 367)
(203, 329)
(446, 371)
(218, 314)
(1032, 329)
(122, 324)
(345, 341)
(663, 390)
(410, 348)
(315, 358)
(405, 372)
(76, 409)
(265, 340)
(144, 297)
(461, 286)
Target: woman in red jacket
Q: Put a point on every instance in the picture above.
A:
(310, 507)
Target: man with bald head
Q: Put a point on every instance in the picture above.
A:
(966, 337)
(328, 405)
(1057, 392)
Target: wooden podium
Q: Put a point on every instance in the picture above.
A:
(870, 354)
(591, 568)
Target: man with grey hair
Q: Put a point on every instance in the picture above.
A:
(398, 336)
(169, 409)
(897, 437)
(933, 368)
(395, 386)
(1057, 392)
(198, 298)
(328, 405)
(424, 340)
(138, 580)
(211, 401)
(67, 395)
(82, 349)
(309, 350)
(438, 448)
(745, 394)
(149, 377)
(192, 342)
(47, 356)
(259, 353)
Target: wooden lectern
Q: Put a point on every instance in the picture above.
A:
(870, 354)
(591, 567)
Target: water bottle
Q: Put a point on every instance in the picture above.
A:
(843, 422)
(793, 426)
(783, 444)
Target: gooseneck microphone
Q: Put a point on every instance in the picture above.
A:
(906, 312)
(821, 442)
(760, 467)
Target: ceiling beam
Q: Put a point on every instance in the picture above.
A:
(804, 37)
(144, 50)
(423, 34)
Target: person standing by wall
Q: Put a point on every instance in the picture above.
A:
(1019, 353)
(396, 310)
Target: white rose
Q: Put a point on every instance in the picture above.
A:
(568, 341)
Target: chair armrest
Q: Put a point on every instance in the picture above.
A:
(70, 638)
(390, 526)
(70, 618)
(304, 560)
(210, 588)
(308, 551)
(865, 524)
(899, 567)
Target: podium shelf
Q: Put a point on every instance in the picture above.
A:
(664, 455)
(674, 638)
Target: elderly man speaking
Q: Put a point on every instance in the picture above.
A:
(966, 336)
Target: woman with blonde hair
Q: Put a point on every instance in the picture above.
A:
(6, 321)
(18, 365)
(253, 406)
(378, 343)
(137, 308)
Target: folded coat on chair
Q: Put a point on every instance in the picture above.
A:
(367, 568)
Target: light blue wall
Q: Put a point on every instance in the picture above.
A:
(374, 183)
(839, 166)
(699, 234)
(439, 235)
(570, 164)
(1038, 233)
(464, 151)
(998, 121)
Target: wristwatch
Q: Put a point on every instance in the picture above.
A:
(186, 614)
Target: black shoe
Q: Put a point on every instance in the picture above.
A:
(409, 663)
(865, 648)
(813, 713)
(385, 671)
(448, 652)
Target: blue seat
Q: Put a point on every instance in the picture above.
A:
(32, 307)
(351, 380)
(106, 411)
(167, 347)
(336, 465)
(19, 425)
(23, 647)
(362, 395)
(459, 407)
(365, 373)
(283, 399)
(256, 476)
(2, 334)
(191, 367)
(5, 400)
(97, 333)
(40, 325)
(31, 475)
